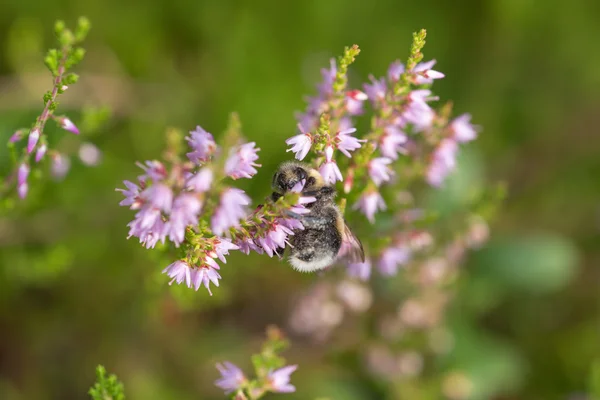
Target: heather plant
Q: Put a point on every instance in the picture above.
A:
(29, 146)
(387, 148)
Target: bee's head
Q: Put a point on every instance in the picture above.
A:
(290, 173)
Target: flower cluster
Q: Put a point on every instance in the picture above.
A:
(171, 203)
(187, 202)
(58, 62)
(272, 375)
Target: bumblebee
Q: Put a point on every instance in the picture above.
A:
(326, 237)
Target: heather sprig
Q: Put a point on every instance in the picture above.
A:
(272, 374)
(59, 61)
(107, 387)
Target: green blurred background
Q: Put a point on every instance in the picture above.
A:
(74, 292)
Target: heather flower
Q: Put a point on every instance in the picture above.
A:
(159, 196)
(232, 208)
(60, 165)
(360, 270)
(201, 181)
(247, 244)
(379, 171)
(179, 271)
(369, 203)
(375, 91)
(330, 170)
(22, 174)
(395, 70)
(22, 190)
(154, 170)
(279, 380)
(221, 249)
(186, 208)
(393, 257)
(462, 128)
(346, 143)
(442, 163)
(232, 377)
(34, 136)
(275, 238)
(392, 141)
(354, 102)
(18, 135)
(300, 143)
(418, 111)
(41, 151)
(131, 195)
(326, 87)
(205, 274)
(240, 163)
(67, 125)
(89, 154)
(203, 145)
(426, 75)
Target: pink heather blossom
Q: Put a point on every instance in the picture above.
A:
(90, 154)
(395, 70)
(59, 166)
(205, 274)
(34, 136)
(330, 172)
(360, 270)
(462, 128)
(159, 196)
(17, 136)
(329, 169)
(41, 151)
(221, 249)
(67, 125)
(369, 203)
(346, 143)
(131, 194)
(354, 102)
(240, 163)
(179, 271)
(232, 208)
(425, 74)
(418, 111)
(392, 141)
(186, 208)
(232, 377)
(202, 144)
(326, 86)
(376, 91)
(275, 238)
(279, 380)
(393, 257)
(23, 173)
(201, 181)
(379, 170)
(154, 170)
(443, 161)
(22, 190)
(300, 144)
(247, 244)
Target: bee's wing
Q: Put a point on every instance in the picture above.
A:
(352, 248)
